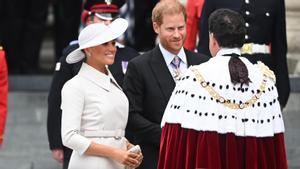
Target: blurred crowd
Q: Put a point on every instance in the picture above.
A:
(24, 27)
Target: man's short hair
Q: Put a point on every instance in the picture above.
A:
(228, 28)
(165, 7)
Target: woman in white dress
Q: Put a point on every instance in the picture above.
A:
(94, 107)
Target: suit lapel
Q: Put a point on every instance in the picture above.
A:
(191, 59)
(162, 73)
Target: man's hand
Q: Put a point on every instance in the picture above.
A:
(58, 155)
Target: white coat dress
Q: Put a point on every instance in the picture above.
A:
(93, 102)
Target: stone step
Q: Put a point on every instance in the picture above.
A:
(26, 144)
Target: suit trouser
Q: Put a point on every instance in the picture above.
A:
(23, 33)
(143, 33)
(67, 20)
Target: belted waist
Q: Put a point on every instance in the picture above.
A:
(252, 48)
(117, 134)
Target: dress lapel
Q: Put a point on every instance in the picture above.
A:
(95, 76)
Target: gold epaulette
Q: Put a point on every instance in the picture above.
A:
(266, 71)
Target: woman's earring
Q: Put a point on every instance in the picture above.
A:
(88, 54)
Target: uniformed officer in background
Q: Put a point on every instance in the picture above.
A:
(3, 92)
(265, 37)
(94, 11)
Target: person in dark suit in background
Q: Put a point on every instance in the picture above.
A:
(95, 11)
(23, 26)
(265, 39)
(66, 23)
(150, 78)
(143, 36)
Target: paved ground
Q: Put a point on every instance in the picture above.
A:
(26, 145)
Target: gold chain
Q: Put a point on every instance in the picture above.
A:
(226, 102)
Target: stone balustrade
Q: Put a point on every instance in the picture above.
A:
(293, 35)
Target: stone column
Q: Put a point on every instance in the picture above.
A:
(293, 35)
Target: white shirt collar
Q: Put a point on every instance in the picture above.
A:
(224, 51)
(168, 56)
(119, 45)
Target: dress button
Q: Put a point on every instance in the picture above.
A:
(247, 13)
(247, 24)
(267, 14)
(247, 1)
(246, 37)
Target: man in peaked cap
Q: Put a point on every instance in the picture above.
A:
(104, 9)
(94, 11)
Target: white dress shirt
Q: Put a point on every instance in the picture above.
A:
(168, 57)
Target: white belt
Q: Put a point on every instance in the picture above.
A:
(117, 134)
(252, 48)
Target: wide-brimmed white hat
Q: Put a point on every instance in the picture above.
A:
(97, 34)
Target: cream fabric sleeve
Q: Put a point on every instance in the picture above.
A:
(72, 109)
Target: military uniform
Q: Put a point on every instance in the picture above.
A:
(3, 93)
(265, 38)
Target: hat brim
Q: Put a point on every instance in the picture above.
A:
(107, 16)
(107, 34)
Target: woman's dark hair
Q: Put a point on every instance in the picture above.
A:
(228, 28)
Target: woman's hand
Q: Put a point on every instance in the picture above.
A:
(135, 149)
(127, 158)
(58, 155)
(124, 157)
(129, 145)
(139, 158)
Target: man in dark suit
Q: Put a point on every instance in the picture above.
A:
(142, 33)
(150, 78)
(95, 11)
(265, 39)
(66, 22)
